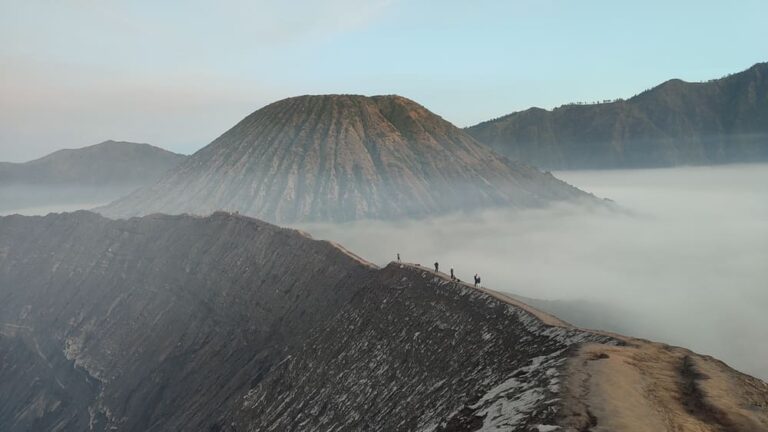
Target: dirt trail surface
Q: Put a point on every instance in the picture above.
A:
(647, 386)
(229, 324)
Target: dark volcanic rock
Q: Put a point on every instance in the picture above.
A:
(168, 317)
(676, 123)
(110, 163)
(457, 356)
(225, 323)
(343, 157)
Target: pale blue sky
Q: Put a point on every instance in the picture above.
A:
(179, 73)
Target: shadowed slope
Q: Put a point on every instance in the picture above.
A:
(675, 123)
(167, 317)
(226, 323)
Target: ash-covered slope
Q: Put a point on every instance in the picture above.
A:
(225, 323)
(340, 158)
(111, 163)
(675, 123)
(166, 318)
(416, 352)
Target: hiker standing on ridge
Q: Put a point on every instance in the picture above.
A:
(437, 265)
(452, 276)
(398, 257)
(477, 280)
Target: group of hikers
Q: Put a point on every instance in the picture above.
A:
(453, 277)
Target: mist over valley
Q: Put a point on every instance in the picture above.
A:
(681, 259)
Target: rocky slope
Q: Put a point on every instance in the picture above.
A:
(676, 123)
(340, 158)
(166, 318)
(226, 323)
(104, 164)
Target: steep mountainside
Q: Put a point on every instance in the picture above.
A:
(225, 323)
(165, 318)
(339, 158)
(720, 121)
(105, 164)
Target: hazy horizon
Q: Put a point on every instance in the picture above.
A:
(144, 72)
(38, 200)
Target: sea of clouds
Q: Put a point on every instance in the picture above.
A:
(684, 260)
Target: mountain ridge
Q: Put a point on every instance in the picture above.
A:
(107, 163)
(677, 122)
(227, 323)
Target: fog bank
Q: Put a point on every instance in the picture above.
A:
(34, 200)
(686, 263)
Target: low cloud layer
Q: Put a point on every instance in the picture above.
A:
(32, 200)
(685, 263)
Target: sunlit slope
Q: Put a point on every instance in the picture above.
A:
(340, 158)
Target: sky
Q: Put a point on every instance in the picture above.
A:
(177, 74)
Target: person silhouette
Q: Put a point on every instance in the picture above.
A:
(452, 276)
(437, 266)
(398, 257)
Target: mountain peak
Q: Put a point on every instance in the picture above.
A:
(346, 103)
(340, 158)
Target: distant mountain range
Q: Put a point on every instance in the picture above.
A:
(341, 158)
(230, 324)
(676, 123)
(110, 163)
